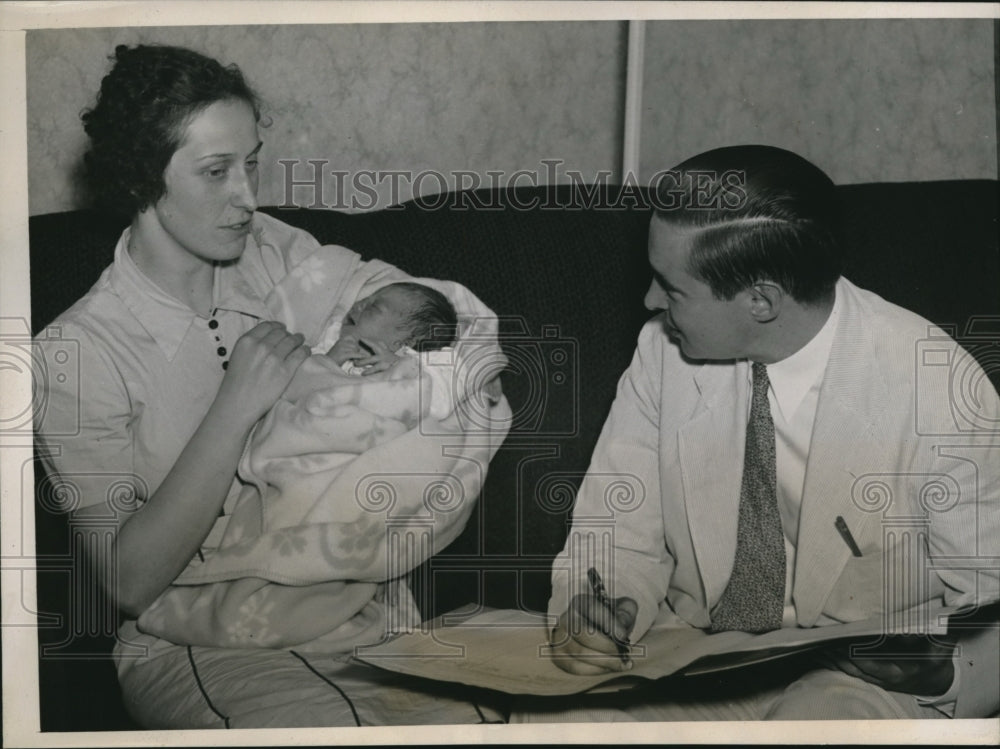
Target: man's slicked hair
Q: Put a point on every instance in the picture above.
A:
(761, 214)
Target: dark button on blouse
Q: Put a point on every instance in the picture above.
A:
(213, 323)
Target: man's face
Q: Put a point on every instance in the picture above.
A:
(703, 326)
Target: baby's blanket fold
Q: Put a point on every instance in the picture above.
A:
(349, 483)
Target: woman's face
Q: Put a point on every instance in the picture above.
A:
(211, 186)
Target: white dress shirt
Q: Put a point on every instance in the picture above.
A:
(793, 395)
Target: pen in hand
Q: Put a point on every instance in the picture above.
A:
(597, 585)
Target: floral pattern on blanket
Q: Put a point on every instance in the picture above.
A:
(349, 483)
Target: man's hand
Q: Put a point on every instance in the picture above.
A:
(586, 639)
(913, 664)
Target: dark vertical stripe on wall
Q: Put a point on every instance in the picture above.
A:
(620, 98)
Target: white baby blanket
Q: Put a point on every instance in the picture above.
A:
(350, 482)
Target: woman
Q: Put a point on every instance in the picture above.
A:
(179, 360)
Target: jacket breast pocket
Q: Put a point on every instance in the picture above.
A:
(892, 578)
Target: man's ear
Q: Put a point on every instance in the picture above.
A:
(766, 300)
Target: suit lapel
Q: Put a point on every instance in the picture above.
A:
(710, 447)
(848, 424)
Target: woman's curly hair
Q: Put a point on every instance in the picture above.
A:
(140, 116)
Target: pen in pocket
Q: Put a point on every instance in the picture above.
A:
(845, 533)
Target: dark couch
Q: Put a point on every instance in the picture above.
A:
(567, 274)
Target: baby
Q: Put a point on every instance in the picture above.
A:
(393, 323)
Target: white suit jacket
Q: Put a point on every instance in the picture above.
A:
(907, 459)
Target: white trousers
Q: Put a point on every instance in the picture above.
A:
(747, 694)
(224, 688)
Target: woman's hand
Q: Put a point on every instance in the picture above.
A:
(263, 362)
(588, 636)
(156, 542)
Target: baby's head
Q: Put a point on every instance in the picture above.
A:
(403, 314)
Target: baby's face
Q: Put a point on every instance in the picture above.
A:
(383, 317)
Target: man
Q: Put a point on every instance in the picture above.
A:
(768, 429)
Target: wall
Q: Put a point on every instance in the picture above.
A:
(866, 100)
(883, 100)
(447, 97)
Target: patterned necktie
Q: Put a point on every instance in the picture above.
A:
(754, 599)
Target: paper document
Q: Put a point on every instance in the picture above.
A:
(508, 650)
